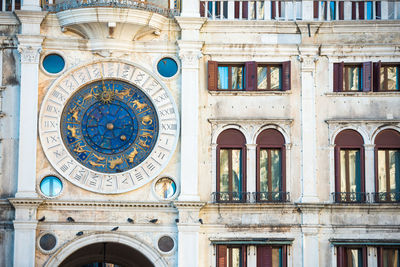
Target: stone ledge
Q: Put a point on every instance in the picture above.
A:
(249, 93)
(364, 94)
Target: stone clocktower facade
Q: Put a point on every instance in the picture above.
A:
(200, 133)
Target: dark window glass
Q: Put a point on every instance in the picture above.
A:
(167, 67)
(53, 63)
(270, 174)
(352, 78)
(165, 243)
(230, 174)
(351, 257)
(388, 257)
(47, 242)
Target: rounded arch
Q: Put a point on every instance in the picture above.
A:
(231, 137)
(275, 127)
(216, 133)
(270, 137)
(349, 137)
(384, 130)
(359, 130)
(74, 245)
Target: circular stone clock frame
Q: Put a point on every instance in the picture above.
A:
(52, 132)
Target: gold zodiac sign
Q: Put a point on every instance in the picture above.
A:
(143, 143)
(95, 164)
(132, 155)
(146, 135)
(124, 93)
(115, 162)
(75, 113)
(146, 120)
(99, 158)
(73, 131)
(79, 148)
(138, 105)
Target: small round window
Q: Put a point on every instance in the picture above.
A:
(165, 188)
(53, 63)
(167, 67)
(47, 242)
(51, 186)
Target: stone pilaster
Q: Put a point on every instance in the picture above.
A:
(251, 172)
(308, 127)
(188, 233)
(189, 53)
(25, 231)
(369, 169)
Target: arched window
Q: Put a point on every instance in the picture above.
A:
(231, 168)
(349, 167)
(271, 185)
(387, 166)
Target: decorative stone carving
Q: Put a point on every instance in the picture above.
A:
(190, 59)
(29, 54)
(308, 62)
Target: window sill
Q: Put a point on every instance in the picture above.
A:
(248, 93)
(361, 94)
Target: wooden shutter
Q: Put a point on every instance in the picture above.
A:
(338, 77)
(237, 8)
(378, 10)
(316, 6)
(341, 10)
(353, 10)
(367, 76)
(364, 257)
(340, 257)
(251, 75)
(360, 9)
(212, 75)
(244, 255)
(264, 256)
(273, 9)
(202, 9)
(245, 6)
(284, 256)
(221, 256)
(377, 76)
(286, 76)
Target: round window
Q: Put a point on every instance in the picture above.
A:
(165, 188)
(166, 244)
(167, 67)
(53, 63)
(47, 242)
(51, 186)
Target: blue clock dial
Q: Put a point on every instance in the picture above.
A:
(109, 126)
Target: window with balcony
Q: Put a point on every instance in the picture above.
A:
(387, 166)
(349, 167)
(386, 77)
(352, 77)
(271, 186)
(231, 157)
(388, 256)
(248, 76)
(351, 256)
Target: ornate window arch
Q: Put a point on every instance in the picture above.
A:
(387, 166)
(271, 166)
(349, 167)
(231, 166)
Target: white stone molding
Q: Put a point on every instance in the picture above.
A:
(43, 174)
(190, 59)
(59, 53)
(176, 194)
(178, 63)
(38, 242)
(30, 19)
(67, 249)
(283, 126)
(29, 55)
(190, 27)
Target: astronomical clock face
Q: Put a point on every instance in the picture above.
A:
(108, 127)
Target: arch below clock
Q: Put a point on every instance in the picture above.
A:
(69, 253)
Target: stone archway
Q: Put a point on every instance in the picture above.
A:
(111, 248)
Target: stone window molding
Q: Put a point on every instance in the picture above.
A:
(250, 128)
(368, 129)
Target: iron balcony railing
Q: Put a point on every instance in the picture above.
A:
(271, 196)
(250, 197)
(387, 197)
(350, 197)
(132, 4)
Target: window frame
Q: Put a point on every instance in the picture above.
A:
(350, 143)
(228, 254)
(259, 260)
(342, 253)
(380, 253)
(268, 66)
(250, 80)
(231, 142)
(230, 65)
(377, 76)
(340, 76)
(273, 142)
(386, 143)
(346, 75)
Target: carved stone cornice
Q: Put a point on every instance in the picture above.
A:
(189, 212)
(25, 202)
(103, 204)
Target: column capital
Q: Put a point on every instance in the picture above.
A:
(251, 146)
(189, 212)
(369, 146)
(29, 47)
(308, 62)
